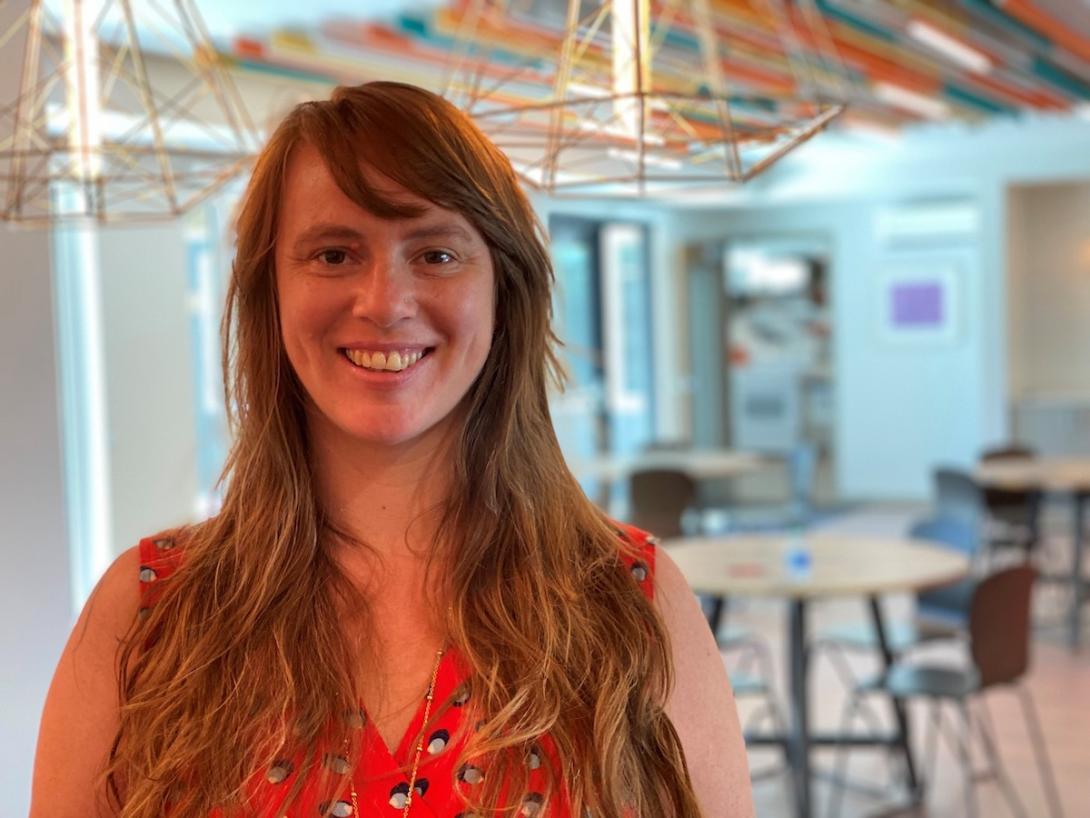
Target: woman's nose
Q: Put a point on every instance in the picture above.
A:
(385, 294)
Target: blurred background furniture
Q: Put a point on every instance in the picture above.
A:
(794, 511)
(661, 500)
(1012, 513)
(940, 613)
(1066, 477)
(609, 471)
(759, 565)
(999, 631)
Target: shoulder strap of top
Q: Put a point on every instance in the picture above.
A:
(159, 558)
(642, 562)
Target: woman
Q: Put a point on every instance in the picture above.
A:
(406, 605)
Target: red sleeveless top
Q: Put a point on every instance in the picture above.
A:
(382, 776)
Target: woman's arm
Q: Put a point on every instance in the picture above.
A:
(81, 710)
(701, 705)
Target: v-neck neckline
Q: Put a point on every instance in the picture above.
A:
(450, 674)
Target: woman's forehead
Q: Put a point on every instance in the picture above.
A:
(310, 193)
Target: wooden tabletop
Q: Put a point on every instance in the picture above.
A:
(700, 464)
(1048, 473)
(757, 565)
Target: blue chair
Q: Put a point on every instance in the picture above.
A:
(941, 613)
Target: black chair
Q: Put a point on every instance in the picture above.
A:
(999, 634)
(660, 498)
(1012, 516)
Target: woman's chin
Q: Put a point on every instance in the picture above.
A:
(390, 432)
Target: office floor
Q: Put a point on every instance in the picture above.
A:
(1059, 683)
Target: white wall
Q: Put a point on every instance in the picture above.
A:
(1049, 274)
(148, 348)
(35, 612)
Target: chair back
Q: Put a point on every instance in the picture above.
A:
(955, 533)
(957, 494)
(1018, 509)
(999, 625)
(659, 499)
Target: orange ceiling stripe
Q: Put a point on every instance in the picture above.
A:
(1035, 99)
(876, 67)
(1046, 24)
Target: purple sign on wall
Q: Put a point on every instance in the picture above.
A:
(916, 304)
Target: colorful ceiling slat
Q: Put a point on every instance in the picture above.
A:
(905, 61)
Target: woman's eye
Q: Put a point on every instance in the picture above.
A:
(333, 257)
(437, 257)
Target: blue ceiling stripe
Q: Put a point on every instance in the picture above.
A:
(973, 100)
(856, 22)
(1060, 78)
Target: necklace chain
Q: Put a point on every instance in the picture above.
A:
(419, 745)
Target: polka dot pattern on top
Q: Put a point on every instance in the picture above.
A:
(382, 775)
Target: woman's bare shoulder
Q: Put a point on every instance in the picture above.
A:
(81, 708)
(701, 705)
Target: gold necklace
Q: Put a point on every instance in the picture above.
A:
(419, 745)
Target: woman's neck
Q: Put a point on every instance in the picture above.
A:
(389, 497)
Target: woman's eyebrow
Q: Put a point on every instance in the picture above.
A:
(436, 231)
(324, 231)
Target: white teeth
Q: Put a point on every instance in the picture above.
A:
(388, 362)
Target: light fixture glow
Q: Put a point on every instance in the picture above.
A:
(911, 100)
(950, 47)
(648, 158)
(81, 85)
(631, 48)
(617, 131)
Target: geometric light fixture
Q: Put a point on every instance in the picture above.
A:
(123, 111)
(626, 97)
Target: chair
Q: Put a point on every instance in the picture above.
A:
(999, 646)
(957, 495)
(941, 613)
(1012, 515)
(660, 498)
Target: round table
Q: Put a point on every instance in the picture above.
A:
(700, 464)
(757, 565)
(1051, 475)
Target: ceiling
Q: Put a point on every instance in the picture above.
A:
(902, 62)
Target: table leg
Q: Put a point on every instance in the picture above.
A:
(899, 712)
(1075, 626)
(799, 738)
(715, 615)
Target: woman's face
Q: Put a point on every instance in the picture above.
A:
(386, 323)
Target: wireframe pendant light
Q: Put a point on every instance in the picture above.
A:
(123, 111)
(630, 97)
